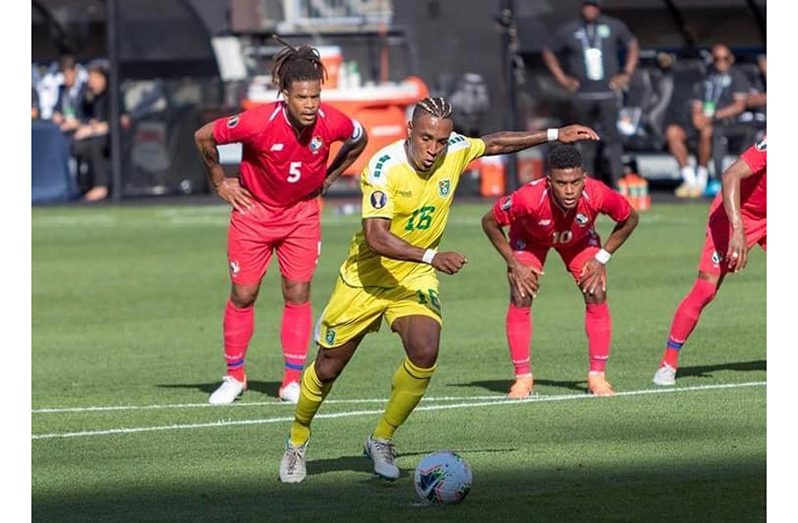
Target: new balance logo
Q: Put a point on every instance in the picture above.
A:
(277, 147)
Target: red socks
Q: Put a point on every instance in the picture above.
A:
(686, 318)
(295, 335)
(598, 327)
(519, 336)
(238, 326)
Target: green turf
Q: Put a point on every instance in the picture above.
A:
(127, 307)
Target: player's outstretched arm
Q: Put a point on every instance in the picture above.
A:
(523, 279)
(737, 253)
(228, 189)
(382, 241)
(346, 156)
(506, 142)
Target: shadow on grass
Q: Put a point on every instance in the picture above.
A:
(268, 388)
(502, 386)
(705, 371)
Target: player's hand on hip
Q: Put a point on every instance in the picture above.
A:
(737, 253)
(524, 279)
(231, 191)
(619, 81)
(574, 133)
(570, 84)
(449, 262)
(593, 277)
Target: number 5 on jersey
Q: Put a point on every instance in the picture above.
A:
(293, 172)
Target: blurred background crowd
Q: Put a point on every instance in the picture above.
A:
(119, 87)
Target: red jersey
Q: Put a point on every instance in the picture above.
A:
(280, 165)
(534, 217)
(753, 190)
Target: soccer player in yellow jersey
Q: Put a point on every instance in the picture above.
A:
(389, 273)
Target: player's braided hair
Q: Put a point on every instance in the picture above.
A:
(564, 157)
(296, 64)
(438, 107)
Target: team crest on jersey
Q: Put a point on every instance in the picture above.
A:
(519, 245)
(378, 199)
(762, 145)
(316, 143)
(581, 219)
(234, 267)
(443, 187)
(233, 120)
(330, 337)
(716, 258)
(506, 203)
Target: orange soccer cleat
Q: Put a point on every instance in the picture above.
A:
(598, 385)
(522, 388)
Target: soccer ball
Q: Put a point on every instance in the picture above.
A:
(443, 478)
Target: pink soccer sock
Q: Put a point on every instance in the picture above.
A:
(238, 326)
(598, 327)
(519, 336)
(295, 336)
(686, 318)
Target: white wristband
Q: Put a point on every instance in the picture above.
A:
(603, 256)
(552, 134)
(429, 254)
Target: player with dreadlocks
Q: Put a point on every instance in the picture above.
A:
(389, 273)
(286, 146)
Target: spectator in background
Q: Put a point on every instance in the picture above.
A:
(594, 76)
(34, 105)
(758, 98)
(470, 102)
(717, 100)
(91, 143)
(67, 110)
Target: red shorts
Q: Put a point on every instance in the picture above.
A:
(294, 232)
(717, 240)
(574, 257)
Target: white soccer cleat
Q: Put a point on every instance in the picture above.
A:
(665, 376)
(290, 393)
(292, 466)
(230, 390)
(382, 452)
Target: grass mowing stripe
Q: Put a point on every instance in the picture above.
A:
(533, 399)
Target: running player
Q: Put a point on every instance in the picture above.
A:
(737, 221)
(389, 273)
(284, 168)
(558, 212)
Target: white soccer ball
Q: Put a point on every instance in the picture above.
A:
(443, 478)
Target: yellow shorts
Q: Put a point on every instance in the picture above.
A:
(352, 311)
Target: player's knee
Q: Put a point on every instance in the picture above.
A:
(521, 301)
(424, 358)
(296, 293)
(595, 298)
(243, 296)
(328, 369)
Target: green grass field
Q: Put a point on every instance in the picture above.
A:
(126, 339)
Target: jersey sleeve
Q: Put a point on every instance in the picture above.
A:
(377, 191)
(511, 208)
(756, 156)
(613, 204)
(238, 127)
(341, 127)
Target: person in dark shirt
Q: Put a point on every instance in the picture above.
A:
(593, 75)
(91, 137)
(717, 100)
(67, 112)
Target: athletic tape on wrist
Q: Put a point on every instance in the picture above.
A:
(552, 134)
(603, 256)
(429, 254)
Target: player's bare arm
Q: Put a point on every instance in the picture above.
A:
(524, 280)
(569, 83)
(594, 273)
(506, 142)
(228, 189)
(382, 241)
(737, 253)
(346, 156)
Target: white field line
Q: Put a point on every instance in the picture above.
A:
(468, 404)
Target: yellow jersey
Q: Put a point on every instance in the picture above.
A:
(417, 203)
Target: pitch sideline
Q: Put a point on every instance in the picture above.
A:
(499, 400)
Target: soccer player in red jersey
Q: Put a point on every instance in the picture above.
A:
(275, 204)
(737, 221)
(558, 212)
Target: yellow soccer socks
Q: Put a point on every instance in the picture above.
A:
(408, 386)
(311, 394)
